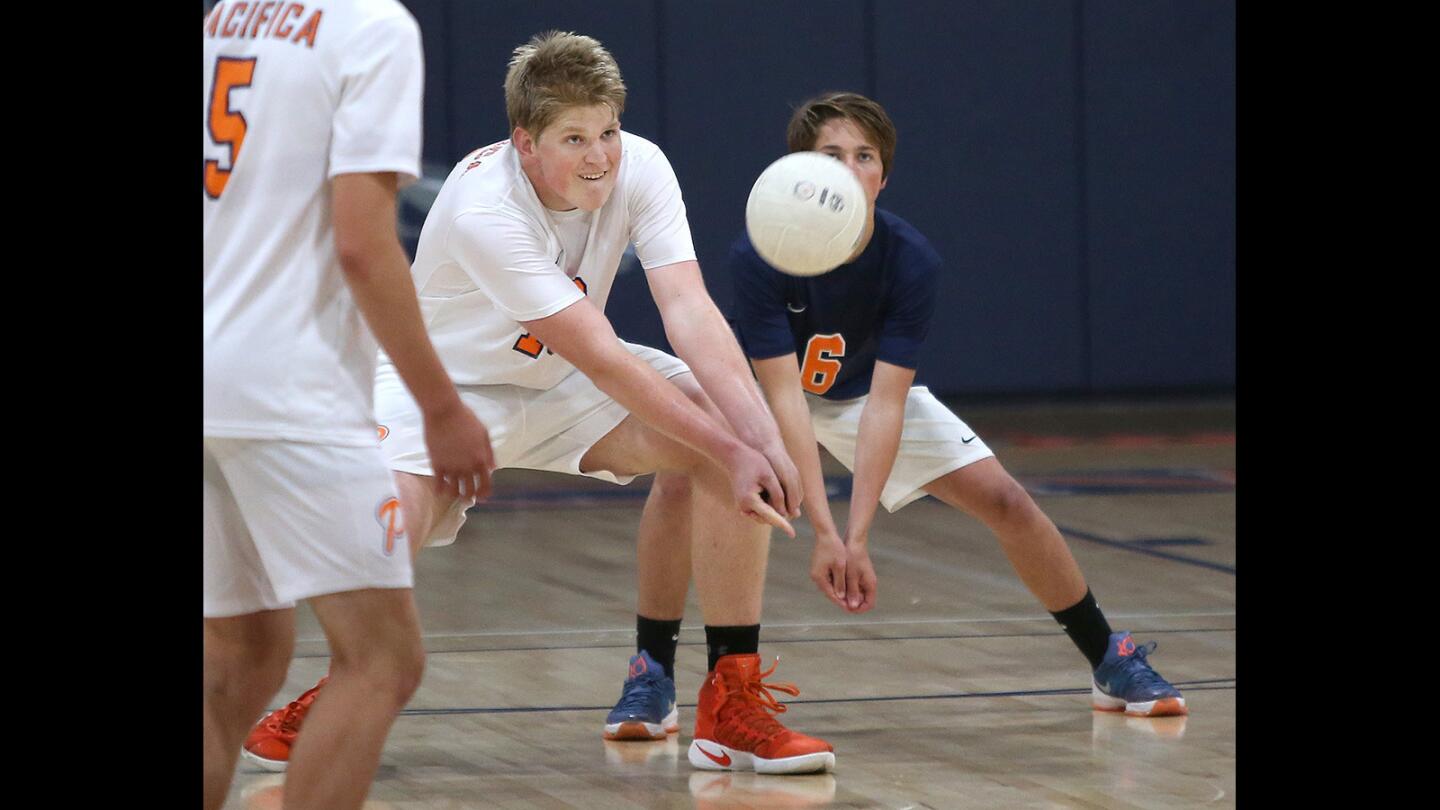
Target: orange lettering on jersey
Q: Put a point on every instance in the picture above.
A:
(227, 30)
(309, 30)
(821, 365)
(382, 431)
(478, 156)
(245, 26)
(226, 127)
(212, 22)
(283, 28)
(528, 345)
(261, 18)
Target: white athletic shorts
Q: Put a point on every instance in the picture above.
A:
(530, 429)
(933, 442)
(285, 521)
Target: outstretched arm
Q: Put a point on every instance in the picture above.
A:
(581, 334)
(881, 423)
(780, 380)
(703, 339)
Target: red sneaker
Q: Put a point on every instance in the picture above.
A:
(272, 738)
(735, 727)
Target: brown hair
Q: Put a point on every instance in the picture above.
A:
(558, 69)
(868, 115)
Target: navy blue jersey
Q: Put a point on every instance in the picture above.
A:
(877, 307)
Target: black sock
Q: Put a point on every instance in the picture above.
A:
(658, 637)
(1086, 626)
(731, 640)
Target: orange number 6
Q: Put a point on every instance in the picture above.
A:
(226, 127)
(822, 363)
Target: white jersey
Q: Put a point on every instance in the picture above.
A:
(491, 255)
(296, 94)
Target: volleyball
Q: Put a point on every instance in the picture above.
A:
(805, 214)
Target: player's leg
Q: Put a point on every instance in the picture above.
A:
(375, 666)
(1029, 539)
(729, 551)
(735, 724)
(246, 658)
(646, 709)
(424, 511)
(1041, 557)
(248, 630)
(663, 551)
(423, 517)
(325, 522)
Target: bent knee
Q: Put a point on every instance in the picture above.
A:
(1008, 503)
(389, 675)
(409, 675)
(245, 678)
(671, 486)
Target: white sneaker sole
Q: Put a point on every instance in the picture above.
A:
(271, 765)
(636, 730)
(1164, 707)
(716, 757)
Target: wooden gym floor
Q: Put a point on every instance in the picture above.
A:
(957, 690)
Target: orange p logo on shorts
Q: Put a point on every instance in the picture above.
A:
(388, 516)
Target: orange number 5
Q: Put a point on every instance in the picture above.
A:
(227, 127)
(822, 363)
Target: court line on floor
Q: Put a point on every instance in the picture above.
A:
(954, 637)
(882, 622)
(1202, 685)
(1147, 550)
(627, 645)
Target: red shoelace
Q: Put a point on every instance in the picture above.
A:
(749, 711)
(289, 721)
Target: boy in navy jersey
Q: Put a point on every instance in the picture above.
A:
(836, 357)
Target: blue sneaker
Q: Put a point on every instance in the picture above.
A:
(646, 710)
(1125, 682)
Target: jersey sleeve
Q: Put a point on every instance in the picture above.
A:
(658, 225)
(509, 262)
(378, 120)
(760, 318)
(909, 306)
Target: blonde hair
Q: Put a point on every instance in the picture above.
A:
(868, 115)
(555, 70)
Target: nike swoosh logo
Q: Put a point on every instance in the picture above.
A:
(967, 441)
(723, 760)
(792, 308)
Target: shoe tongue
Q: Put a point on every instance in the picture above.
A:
(744, 666)
(639, 665)
(1125, 646)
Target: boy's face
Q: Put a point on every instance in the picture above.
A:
(842, 139)
(574, 161)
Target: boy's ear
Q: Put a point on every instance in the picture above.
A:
(524, 143)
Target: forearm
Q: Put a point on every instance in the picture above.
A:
(653, 400)
(805, 453)
(881, 423)
(701, 337)
(378, 274)
(780, 381)
(581, 334)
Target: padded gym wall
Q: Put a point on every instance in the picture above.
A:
(1072, 160)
